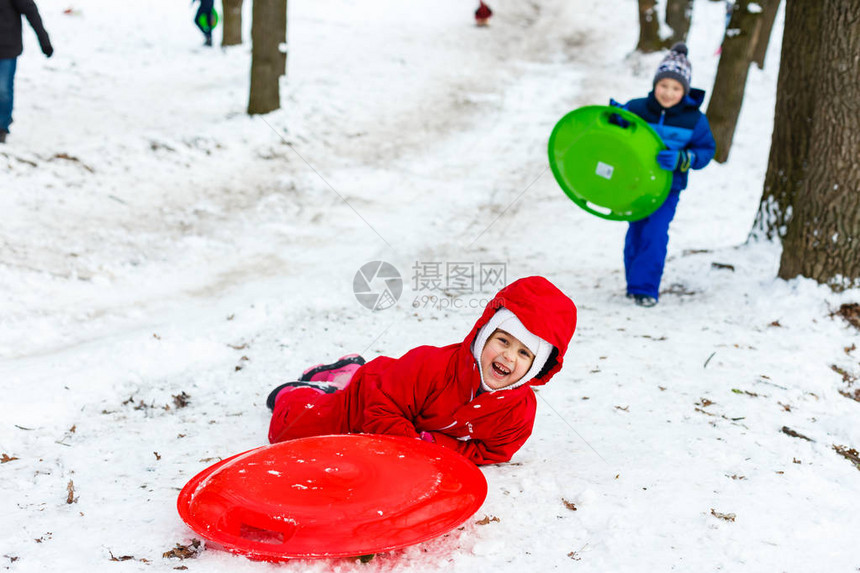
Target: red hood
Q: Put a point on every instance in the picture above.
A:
(543, 309)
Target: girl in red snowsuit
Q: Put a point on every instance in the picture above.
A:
(471, 397)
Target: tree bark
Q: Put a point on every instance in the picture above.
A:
(649, 27)
(282, 17)
(267, 62)
(232, 23)
(792, 126)
(679, 13)
(768, 17)
(730, 83)
(822, 240)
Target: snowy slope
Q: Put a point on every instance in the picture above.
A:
(157, 241)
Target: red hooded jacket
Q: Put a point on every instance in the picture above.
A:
(433, 389)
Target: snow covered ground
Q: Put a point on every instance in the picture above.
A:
(167, 259)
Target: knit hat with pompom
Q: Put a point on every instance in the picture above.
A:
(676, 66)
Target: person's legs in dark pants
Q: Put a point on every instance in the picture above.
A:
(205, 19)
(7, 89)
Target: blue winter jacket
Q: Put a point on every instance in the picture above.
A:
(682, 126)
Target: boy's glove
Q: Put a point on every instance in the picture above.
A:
(616, 119)
(672, 160)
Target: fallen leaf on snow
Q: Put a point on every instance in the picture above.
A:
(487, 519)
(855, 396)
(849, 454)
(846, 377)
(181, 400)
(726, 516)
(850, 312)
(747, 392)
(189, 551)
(789, 432)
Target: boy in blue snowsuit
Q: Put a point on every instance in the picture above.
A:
(672, 109)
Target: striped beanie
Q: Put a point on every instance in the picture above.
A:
(676, 66)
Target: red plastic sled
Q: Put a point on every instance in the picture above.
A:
(332, 496)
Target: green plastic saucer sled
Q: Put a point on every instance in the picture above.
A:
(204, 23)
(609, 170)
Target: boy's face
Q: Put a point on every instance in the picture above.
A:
(504, 360)
(668, 92)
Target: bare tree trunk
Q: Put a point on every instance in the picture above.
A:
(730, 83)
(649, 27)
(232, 23)
(768, 17)
(267, 62)
(679, 13)
(822, 240)
(282, 7)
(795, 107)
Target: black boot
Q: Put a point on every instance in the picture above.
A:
(343, 361)
(3, 134)
(644, 300)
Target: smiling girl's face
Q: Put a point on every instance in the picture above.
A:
(504, 360)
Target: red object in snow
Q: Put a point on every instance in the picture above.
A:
(332, 496)
(482, 14)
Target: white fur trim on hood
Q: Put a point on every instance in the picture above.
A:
(506, 320)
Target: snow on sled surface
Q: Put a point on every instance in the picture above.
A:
(332, 496)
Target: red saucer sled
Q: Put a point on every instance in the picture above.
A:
(332, 496)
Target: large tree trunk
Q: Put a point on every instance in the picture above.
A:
(282, 16)
(649, 27)
(768, 17)
(267, 62)
(796, 102)
(232, 23)
(679, 13)
(822, 240)
(730, 83)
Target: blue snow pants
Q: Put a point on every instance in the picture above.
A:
(645, 249)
